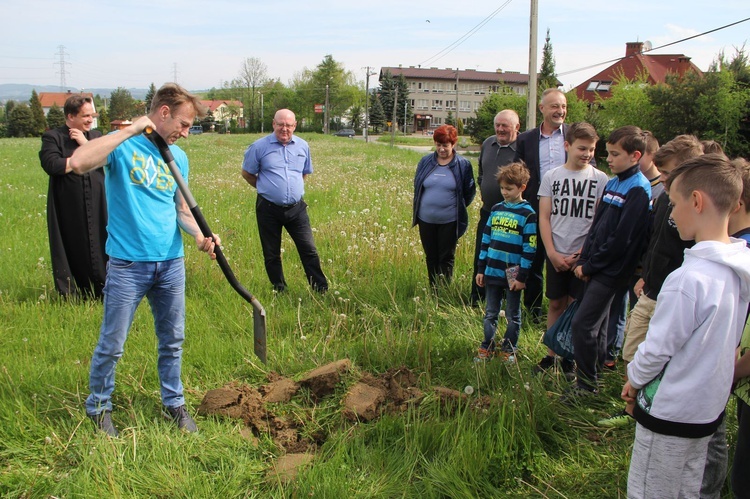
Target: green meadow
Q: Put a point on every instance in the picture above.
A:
(379, 313)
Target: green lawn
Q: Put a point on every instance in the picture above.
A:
(379, 313)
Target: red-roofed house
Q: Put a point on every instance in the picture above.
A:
(433, 92)
(654, 67)
(221, 110)
(48, 99)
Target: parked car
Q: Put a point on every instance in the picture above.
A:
(345, 132)
(196, 129)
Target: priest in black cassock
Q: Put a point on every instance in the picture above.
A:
(76, 206)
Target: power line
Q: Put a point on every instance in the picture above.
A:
(656, 48)
(466, 36)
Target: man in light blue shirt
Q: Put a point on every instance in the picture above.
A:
(276, 165)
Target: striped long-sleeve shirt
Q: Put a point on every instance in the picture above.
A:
(509, 239)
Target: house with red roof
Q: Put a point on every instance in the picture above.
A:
(434, 92)
(223, 110)
(635, 64)
(48, 99)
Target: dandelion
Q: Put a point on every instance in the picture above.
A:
(469, 390)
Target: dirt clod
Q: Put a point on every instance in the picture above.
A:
(280, 390)
(287, 466)
(363, 402)
(323, 380)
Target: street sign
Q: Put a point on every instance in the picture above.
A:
(320, 108)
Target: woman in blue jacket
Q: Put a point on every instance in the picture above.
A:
(443, 188)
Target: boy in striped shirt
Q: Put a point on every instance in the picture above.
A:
(508, 248)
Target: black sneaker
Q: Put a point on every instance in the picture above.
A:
(180, 416)
(568, 368)
(103, 422)
(544, 365)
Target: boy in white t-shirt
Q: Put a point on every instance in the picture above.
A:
(568, 196)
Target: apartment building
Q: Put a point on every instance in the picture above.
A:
(434, 92)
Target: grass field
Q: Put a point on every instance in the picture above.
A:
(379, 313)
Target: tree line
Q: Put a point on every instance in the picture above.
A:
(713, 105)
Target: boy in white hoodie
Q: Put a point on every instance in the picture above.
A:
(681, 375)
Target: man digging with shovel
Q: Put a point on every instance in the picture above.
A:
(146, 255)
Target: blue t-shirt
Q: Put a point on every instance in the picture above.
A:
(142, 224)
(279, 168)
(438, 202)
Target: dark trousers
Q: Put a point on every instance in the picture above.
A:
(589, 329)
(439, 243)
(741, 464)
(477, 293)
(271, 219)
(532, 294)
(618, 315)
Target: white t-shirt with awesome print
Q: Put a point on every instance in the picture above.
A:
(574, 195)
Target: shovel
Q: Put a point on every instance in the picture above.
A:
(259, 314)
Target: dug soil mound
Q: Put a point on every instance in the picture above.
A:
(262, 411)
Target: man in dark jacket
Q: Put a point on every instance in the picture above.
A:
(76, 205)
(542, 149)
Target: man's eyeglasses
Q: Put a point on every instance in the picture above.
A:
(284, 125)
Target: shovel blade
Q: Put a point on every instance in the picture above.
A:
(259, 333)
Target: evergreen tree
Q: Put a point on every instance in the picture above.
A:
(547, 75)
(55, 117)
(121, 105)
(21, 122)
(388, 85)
(37, 114)
(377, 115)
(149, 96)
(103, 121)
(450, 119)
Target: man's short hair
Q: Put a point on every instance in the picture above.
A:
(173, 96)
(74, 103)
(550, 91)
(652, 145)
(711, 146)
(712, 174)
(514, 174)
(581, 130)
(513, 116)
(679, 150)
(744, 166)
(630, 138)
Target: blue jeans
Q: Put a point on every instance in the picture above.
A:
(493, 295)
(163, 283)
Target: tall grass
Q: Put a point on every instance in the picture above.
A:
(378, 312)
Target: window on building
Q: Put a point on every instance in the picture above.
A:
(599, 86)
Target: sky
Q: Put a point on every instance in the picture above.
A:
(202, 44)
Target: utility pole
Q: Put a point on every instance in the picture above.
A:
(456, 98)
(261, 112)
(367, 103)
(174, 72)
(395, 113)
(531, 102)
(404, 117)
(325, 114)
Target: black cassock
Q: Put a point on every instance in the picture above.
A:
(76, 218)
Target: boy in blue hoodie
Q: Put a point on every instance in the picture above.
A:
(508, 247)
(610, 254)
